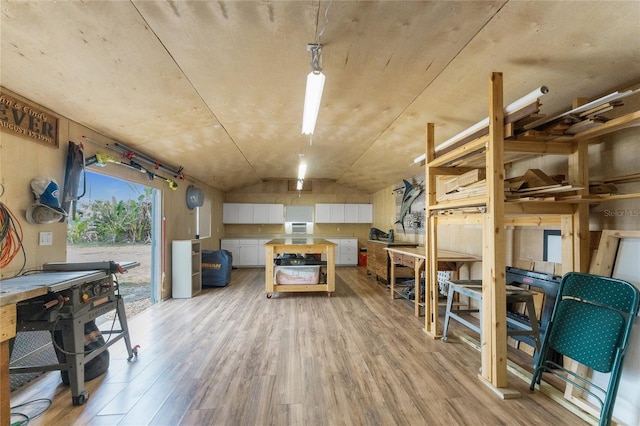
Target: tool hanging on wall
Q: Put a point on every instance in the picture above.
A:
(101, 159)
(47, 207)
(74, 178)
(130, 154)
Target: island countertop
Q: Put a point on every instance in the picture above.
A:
(298, 241)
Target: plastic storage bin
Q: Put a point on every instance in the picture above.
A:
(308, 274)
(216, 268)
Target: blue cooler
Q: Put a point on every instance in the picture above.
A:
(216, 268)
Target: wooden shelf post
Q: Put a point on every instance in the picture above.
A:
(494, 330)
(431, 241)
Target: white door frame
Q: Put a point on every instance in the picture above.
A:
(157, 240)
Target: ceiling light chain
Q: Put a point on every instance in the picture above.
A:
(326, 21)
(313, 94)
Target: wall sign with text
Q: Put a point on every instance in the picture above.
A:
(24, 119)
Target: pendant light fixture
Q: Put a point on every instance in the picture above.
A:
(313, 93)
(302, 169)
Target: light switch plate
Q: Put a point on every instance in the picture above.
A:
(46, 238)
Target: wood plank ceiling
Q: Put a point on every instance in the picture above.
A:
(218, 87)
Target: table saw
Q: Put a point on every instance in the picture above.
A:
(62, 299)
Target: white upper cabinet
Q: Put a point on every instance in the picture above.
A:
(365, 213)
(230, 212)
(323, 213)
(337, 213)
(344, 213)
(260, 213)
(299, 214)
(245, 213)
(276, 213)
(248, 213)
(351, 213)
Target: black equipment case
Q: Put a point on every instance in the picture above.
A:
(216, 268)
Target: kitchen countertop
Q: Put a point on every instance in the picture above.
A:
(272, 236)
(299, 241)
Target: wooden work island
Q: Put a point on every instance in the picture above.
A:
(280, 246)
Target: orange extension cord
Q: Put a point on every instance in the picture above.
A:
(10, 237)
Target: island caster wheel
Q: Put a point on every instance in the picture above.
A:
(134, 352)
(329, 294)
(268, 295)
(80, 399)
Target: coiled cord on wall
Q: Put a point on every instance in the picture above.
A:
(10, 238)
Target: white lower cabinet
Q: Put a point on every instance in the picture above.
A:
(349, 251)
(346, 251)
(250, 252)
(262, 252)
(244, 251)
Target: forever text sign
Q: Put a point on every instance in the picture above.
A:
(26, 120)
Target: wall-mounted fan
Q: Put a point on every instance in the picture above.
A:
(195, 197)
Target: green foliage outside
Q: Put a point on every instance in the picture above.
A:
(112, 222)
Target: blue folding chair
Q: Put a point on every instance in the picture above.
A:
(591, 323)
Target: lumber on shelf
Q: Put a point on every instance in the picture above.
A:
(534, 184)
(620, 179)
(466, 179)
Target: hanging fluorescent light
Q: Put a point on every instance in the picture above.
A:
(302, 169)
(299, 185)
(313, 93)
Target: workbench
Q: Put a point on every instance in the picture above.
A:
(65, 299)
(378, 263)
(415, 257)
(299, 246)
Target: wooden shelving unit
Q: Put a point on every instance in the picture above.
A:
(186, 267)
(490, 210)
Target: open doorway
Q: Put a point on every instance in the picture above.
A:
(118, 220)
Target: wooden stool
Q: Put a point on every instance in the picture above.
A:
(473, 290)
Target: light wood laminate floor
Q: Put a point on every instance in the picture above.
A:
(230, 356)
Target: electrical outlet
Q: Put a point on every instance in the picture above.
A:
(338, 228)
(46, 238)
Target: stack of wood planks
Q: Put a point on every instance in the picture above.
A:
(533, 185)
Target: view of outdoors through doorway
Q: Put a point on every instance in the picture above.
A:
(115, 221)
